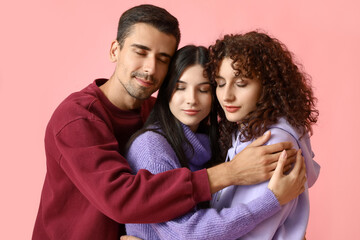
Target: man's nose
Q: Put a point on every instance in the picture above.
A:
(150, 65)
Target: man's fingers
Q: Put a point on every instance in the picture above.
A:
(261, 140)
(291, 153)
(128, 237)
(277, 147)
(287, 168)
(274, 157)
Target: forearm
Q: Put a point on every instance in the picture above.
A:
(229, 223)
(253, 165)
(219, 177)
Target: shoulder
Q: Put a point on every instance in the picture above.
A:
(152, 144)
(150, 138)
(151, 151)
(82, 105)
(283, 131)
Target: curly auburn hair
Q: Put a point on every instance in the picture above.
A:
(286, 89)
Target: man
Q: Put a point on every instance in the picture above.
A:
(88, 189)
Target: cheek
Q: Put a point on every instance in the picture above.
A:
(172, 103)
(172, 108)
(253, 99)
(175, 101)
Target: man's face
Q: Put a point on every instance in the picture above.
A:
(143, 60)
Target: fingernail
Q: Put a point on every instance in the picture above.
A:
(283, 154)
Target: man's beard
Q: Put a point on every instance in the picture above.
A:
(139, 92)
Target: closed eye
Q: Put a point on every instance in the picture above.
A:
(180, 86)
(164, 59)
(220, 82)
(241, 82)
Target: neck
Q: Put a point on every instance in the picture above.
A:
(117, 95)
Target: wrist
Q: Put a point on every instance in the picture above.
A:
(219, 177)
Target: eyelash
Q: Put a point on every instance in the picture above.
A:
(182, 88)
(241, 85)
(163, 61)
(141, 54)
(159, 59)
(237, 84)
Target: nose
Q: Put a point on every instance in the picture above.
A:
(228, 95)
(150, 65)
(191, 97)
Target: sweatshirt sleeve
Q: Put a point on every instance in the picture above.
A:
(229, 223)
(88, 154)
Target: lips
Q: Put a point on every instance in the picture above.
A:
(144, 82)
(231, 109)
(191, 112)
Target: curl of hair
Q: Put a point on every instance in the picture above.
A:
(286, 89)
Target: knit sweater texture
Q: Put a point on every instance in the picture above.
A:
(89, 189)
(151, 151)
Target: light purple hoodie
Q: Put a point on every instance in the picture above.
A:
(292, 220)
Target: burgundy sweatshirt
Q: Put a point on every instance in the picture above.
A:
(89, 190)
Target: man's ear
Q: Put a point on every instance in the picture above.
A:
(114, 50)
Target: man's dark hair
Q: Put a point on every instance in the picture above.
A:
(149, 14)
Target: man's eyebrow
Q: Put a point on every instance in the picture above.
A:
(149, 49)
(140, 46)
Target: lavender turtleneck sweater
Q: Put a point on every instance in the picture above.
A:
(151, 151)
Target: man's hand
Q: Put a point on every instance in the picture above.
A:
(127, 237)
(254, 164)
(288, 187)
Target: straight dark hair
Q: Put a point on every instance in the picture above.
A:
(163, 122)
(157, 17)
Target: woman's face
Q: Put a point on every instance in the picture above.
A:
(237, 95)
(191, 100)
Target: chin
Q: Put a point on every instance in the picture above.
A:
(232, 119)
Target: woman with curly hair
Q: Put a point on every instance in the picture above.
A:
(259, 88)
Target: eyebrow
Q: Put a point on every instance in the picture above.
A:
(149, 49)
(202, 83)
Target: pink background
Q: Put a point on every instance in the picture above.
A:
(51, 48)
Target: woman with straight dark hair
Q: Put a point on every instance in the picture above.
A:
(182, 132)
(162, 121)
